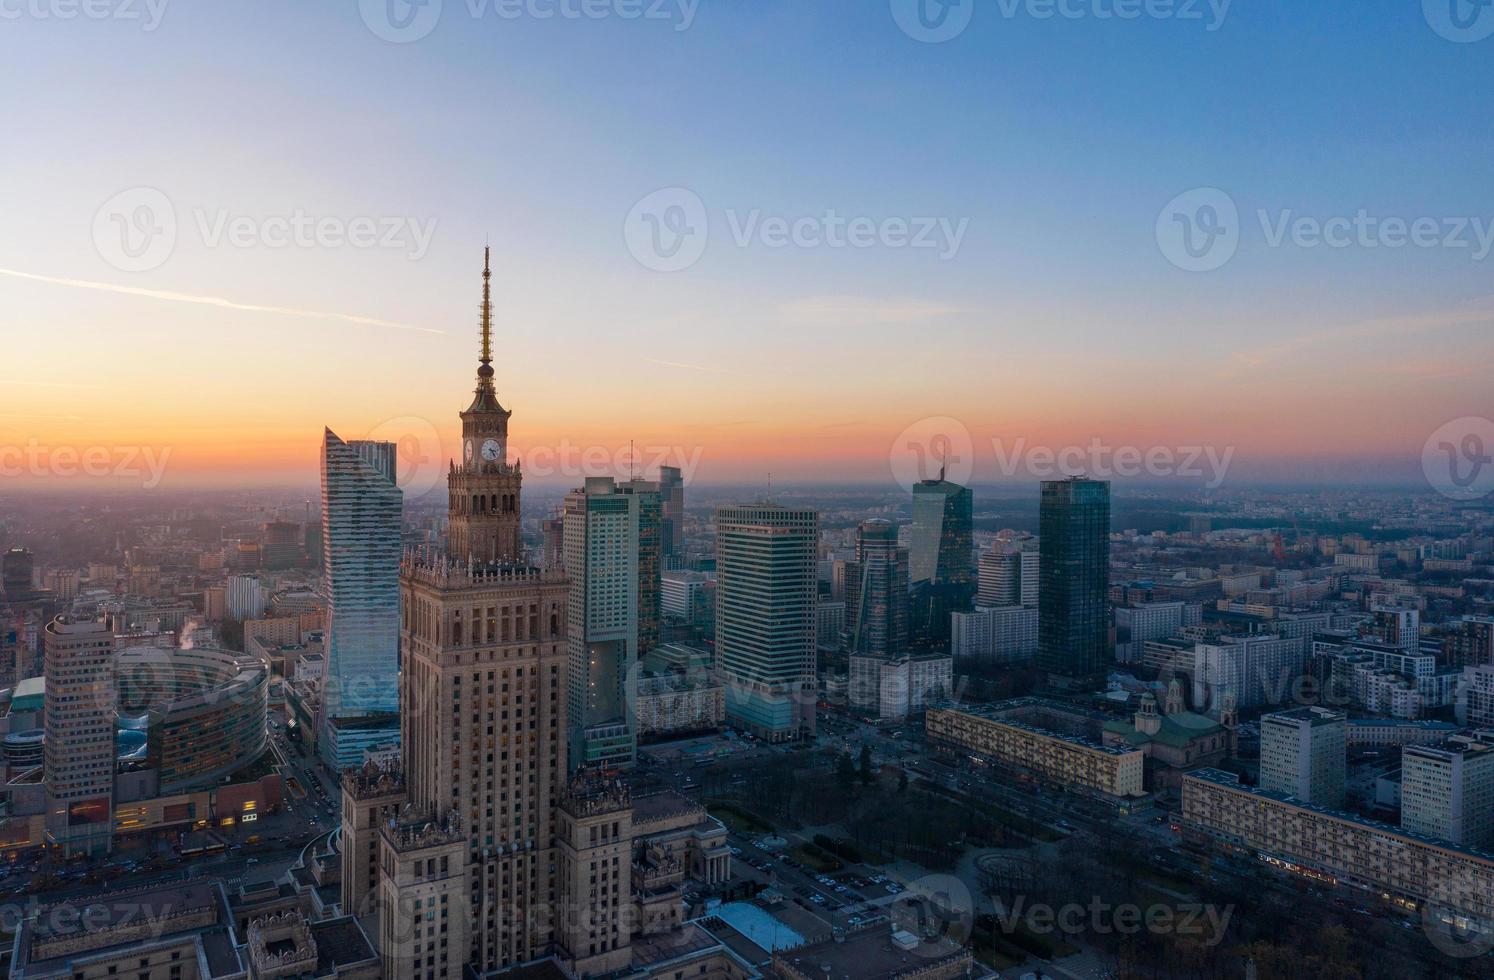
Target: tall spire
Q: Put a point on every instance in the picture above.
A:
(485, 371)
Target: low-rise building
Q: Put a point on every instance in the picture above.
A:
(1003, 734)
(1456, 883)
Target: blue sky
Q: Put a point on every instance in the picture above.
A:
(1057, 141)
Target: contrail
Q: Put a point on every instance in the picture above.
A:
(218, 301)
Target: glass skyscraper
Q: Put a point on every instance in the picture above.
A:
(361, 511)
(1074, 568)
(879, 593)
(941, 559)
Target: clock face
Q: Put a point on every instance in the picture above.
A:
(467, 449)
(490, 451)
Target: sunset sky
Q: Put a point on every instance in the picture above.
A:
(1055, 143)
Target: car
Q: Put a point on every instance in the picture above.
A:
(252, 861)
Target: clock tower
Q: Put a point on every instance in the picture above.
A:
(483, 512)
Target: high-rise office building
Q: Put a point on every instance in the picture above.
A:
(650, 560)
(1447, 790)
(941, 558)
(766, 590)
(1074, 573)
(16, 569)
(672, 510)
(78, 750)
(478, 820)
(361, 512)
(602, 562)
(879, 594)
(1303, 754)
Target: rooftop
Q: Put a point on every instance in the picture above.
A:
(870, 955)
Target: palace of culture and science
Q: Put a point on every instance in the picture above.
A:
(482, 851)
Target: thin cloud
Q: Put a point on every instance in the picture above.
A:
(1385, 326)
(684, 364)
(52, 384)
(217, 301)
(31, 417)
(835, 311)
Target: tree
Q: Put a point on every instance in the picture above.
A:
(866, 765)
(845, 770)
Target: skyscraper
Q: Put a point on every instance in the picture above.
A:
(672, 510)
(602, 561)
(1074, 568)
(765, 617)
(941, 558)
(879, 595)
(483, 505)
(361, 510)
(479, 822)
(16, 570)
(79, 762)
(651, 532)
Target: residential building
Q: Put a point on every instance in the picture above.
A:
(1447, 790)
(1449, 883)
(1001, 735)
(1004, 635)
(1303, 754)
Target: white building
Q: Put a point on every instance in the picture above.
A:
(679, 591)
(1006, 634)
(1259, 670)
(601, 541)
(1135, 626)
(1008, 574)
(245, 597)
(895, 689)
(1447, 790)
(1303, 755)
(1475, 696)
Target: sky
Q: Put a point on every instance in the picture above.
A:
(816, 239)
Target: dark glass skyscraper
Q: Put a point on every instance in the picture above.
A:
(1074, 568)
(941, 559)
(879, 603)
